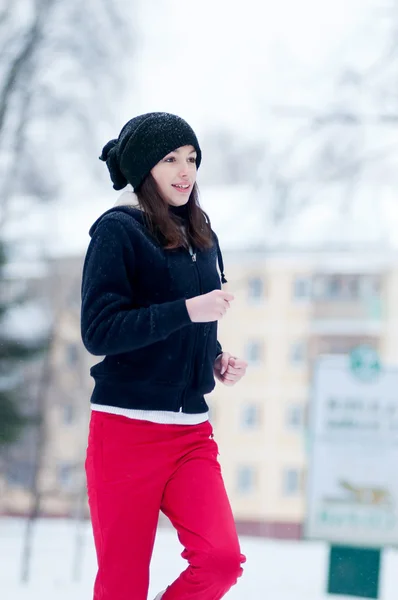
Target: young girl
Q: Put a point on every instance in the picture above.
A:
(151, 299)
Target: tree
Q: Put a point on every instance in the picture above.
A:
(60, 69)
(13, 355)
(62, 65)
(348, 140)
(231, 159)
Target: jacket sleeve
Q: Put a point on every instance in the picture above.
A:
(109, 323)
(219, 349)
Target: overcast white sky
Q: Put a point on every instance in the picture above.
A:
(217, 61)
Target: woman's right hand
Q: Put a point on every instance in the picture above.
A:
(209, 307)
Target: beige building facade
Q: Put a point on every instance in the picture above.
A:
(290, 306)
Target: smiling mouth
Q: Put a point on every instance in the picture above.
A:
(183, 187)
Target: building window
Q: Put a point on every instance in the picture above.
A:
(245, 479)
(65, 475)
(250, 416)
(345, 287)
(255, 289)
(254, 352)
(68, 414)
(302, 288)
(295, 417)
(328, 287)
(298, 353)
(19, 474)
(291, 482)
(72, 355)
(335, 287)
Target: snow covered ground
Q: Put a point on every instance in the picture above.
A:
(275, 570)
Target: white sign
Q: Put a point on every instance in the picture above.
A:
(353, 462)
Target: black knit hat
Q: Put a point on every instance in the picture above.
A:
(142, 143)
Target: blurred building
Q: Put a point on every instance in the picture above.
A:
(46, 466)
(289, 308)
(291, 304)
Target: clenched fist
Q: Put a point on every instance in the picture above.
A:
(229, 369)
(209, 307)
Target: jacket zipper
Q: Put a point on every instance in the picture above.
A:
(193, 256)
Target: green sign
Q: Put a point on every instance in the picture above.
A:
(354, 571)
(365, 363)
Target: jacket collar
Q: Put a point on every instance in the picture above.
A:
(128, 198)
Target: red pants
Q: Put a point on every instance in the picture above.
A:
(136, 468)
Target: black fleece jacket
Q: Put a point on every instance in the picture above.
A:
(134, 313)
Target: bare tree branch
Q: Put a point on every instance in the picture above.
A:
(348, 118)
(358, 162)
(5, 13)
(118, 25)
(17, 148)
(25, 53)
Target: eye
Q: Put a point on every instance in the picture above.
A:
(192, 159)
(169, 159)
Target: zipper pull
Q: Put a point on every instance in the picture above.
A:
(194, 257)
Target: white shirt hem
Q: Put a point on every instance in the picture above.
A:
(154, 416)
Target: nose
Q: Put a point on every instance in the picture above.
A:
(183, 172)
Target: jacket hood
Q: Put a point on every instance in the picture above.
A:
(127, 203)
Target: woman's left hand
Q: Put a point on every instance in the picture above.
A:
(228, 369)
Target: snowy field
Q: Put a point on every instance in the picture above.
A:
(275, 570)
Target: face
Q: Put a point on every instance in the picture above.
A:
(175, 175)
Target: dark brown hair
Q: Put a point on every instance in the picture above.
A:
(165, 226)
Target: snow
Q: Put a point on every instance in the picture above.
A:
(281, 570)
